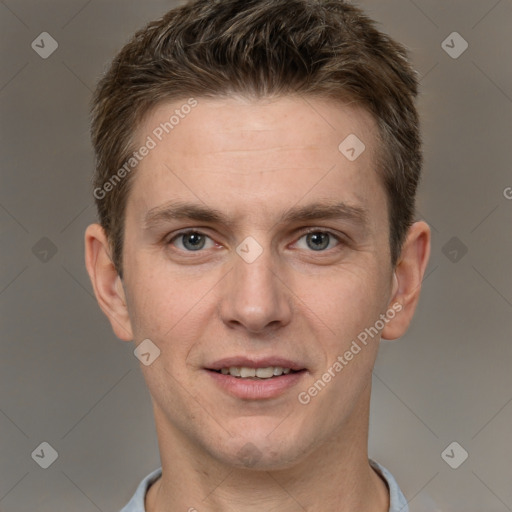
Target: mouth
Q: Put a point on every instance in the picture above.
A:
(256, 380)
(245, 372)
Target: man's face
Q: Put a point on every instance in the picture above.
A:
(253, 289)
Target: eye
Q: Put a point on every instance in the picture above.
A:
(191, 241)
(319, 240)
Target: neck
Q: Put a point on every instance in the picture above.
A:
(335, 476)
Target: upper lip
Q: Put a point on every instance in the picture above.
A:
(247, 362)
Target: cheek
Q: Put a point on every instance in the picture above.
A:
(152, 305)
(349, 304)
(344, 302)
(167, 305)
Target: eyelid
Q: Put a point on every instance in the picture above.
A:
(184, 231)
(175, 235)
(335, 234)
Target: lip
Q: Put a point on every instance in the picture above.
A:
(256, 389)
(252, 389)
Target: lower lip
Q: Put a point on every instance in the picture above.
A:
(252, 389)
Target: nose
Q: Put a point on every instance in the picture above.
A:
(254, 297)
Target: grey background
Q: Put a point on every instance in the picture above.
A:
(65, 378)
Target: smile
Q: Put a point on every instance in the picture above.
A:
(245, 372)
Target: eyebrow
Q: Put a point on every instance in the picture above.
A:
(176, 210)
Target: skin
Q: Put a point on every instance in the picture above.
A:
(253, 160)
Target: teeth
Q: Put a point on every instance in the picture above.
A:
(261, 373)
(234, 371)
(265, 373)
(247, 372)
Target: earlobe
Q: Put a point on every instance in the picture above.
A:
(407, 279)
(106, 282)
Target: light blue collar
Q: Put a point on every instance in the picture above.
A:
(397, 500)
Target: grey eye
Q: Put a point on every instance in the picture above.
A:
(318, 240)
(191, 241)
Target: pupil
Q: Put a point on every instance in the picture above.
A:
(319, 240)
(193, 241)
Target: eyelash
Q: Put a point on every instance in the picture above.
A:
(341, 240)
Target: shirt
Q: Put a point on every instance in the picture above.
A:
(397, 501)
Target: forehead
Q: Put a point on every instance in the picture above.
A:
(241, 154)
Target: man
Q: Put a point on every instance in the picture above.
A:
(257, 165)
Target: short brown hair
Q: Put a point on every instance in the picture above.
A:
(260, 48)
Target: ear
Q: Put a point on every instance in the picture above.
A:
(106, 282)
(408, 275)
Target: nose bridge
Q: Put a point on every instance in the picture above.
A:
(255, 296)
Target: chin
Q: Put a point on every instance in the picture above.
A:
(262, 442)
(262, 452)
